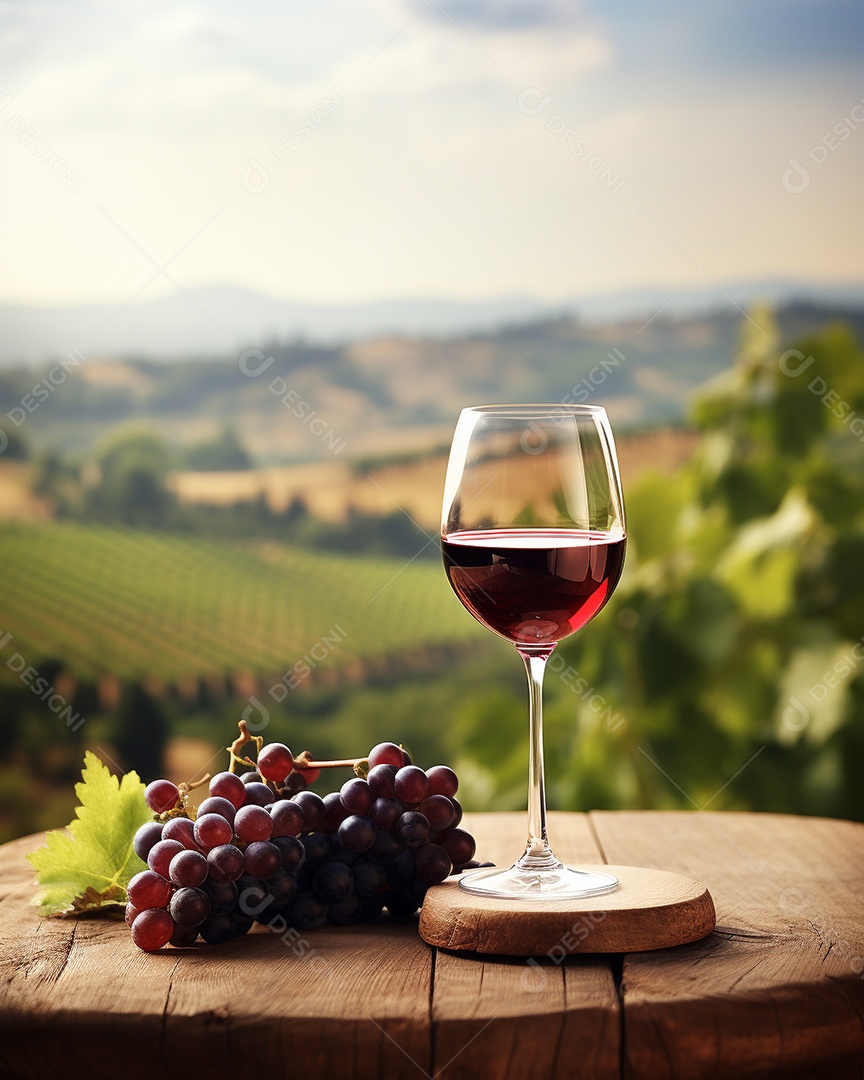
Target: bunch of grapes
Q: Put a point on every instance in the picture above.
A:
(263, 848)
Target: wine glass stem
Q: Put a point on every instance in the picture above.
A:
(538, 854)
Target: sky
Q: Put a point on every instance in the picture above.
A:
(350, 150)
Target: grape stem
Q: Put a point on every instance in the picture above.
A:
(234, 749)
(304, 761)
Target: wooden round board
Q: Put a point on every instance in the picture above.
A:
(650, 909)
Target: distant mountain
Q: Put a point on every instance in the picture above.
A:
(221, 320)
(383, 395)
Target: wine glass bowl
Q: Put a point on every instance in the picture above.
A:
(533, 541)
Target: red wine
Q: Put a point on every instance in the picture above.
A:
(533, 586)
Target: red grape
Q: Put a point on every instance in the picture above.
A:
(212, 830)
(313, 809)
(385, 812)
(148, 890)
(442, 781)
(288, 818)
(381, 778)
(161, 796)
(152, 929)
(275, 762)
(181, 829)
(386, 753)
(357, 795)
(253, 823)
(258, 794)
(132, 914)
(215, 804)
(161, 855)
(188, 868)
(335, 812)
(309, 775)
(228, 785)
(189, 907)
(410, 785)
(439, 810)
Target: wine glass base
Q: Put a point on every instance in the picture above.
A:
(516, 883)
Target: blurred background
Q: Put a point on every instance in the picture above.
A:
(254, 263)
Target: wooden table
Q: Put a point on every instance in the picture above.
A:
(776, 991)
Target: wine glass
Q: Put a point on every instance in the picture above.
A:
(533, 539)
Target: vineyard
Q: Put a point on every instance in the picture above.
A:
(166, 610)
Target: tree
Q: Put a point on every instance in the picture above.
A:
(132, 487)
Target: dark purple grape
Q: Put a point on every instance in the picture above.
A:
(400, 905)
(217, 929)
(386, 848)
(184, 936)
(188, 869)
(263, 859)
(253, 823)
(288, 818)
(439, 812)
(413, 828)
(292, 850)
(385, 812)
(459, 845)
(152, 929)
(282, 887)
(181, 829)
(150, 833)
(306, 912)
(259, 795)
(458, 808)
(295, 783)
(228, 785)
(216, 805)
(225, 863)
(357, 833)
(313, 809)
(370, 879)
(240, 924)
(340, 852)
(189, 907)
(333, 883)
(432, 864)
(347, 912)
(211, 830)
(380, 779)
(317, 847)
(251, 777)
(442, 781)
(221, 894)
(410, 785)
(357, 795)
(335, 812)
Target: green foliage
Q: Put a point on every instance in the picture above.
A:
(132, 487)
(223, 453)
(732, 650)
(92, 863)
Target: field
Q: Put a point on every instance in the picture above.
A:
(167, 610)
(330, 488)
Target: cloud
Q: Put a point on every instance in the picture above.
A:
(515, 15)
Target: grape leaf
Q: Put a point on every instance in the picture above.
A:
(89, 865)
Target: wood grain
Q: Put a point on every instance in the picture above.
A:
(498, 1018)
(777, 988)
(775, 991)
(650, 909)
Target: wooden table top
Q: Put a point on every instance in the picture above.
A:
(777, 990)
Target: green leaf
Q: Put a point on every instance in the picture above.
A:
(90, 865)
